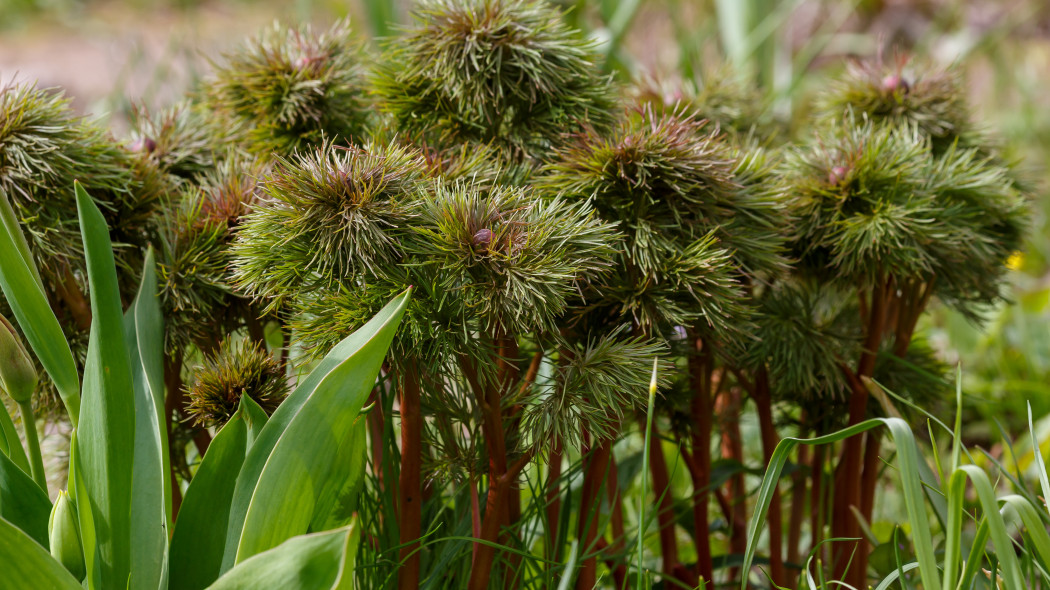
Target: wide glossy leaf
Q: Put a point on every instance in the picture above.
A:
(107, 422)
(151, 485)
(200, 532)
(10, 444)
(320, 561)
(304, 451)
(25, 564)
(29, 304)
(22, 502)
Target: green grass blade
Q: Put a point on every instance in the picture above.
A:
(1040, 539)
(307, 562)
(957, 433)
(307, 438)
(107, 426)
(1009, 567)
(42, 331)
(1037, 455)
(151, 484)
(10, 444)
(25, 564)
(911, 488)
(892, 577)
(22, 502)
(88, 537)
(645, 471)
(199, 538)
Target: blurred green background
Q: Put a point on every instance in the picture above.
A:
(112, 56)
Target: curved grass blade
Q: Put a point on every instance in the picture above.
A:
(1040, 539)
(307, 438)
(1009, 567)
(308, 562)
(151, 486)
(22, 502)
(26, 564)
(42, 331)
(911, 487)
(894, 575)
(1037, 454)
(200, 533)
(107, 425)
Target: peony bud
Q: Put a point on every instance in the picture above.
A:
(144, 144)
(895, 83)
(63, 532)
(18, 376)
(482, 238)
(838, 175)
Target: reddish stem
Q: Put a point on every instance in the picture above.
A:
(701, 409)
(410, 505)
(852, 555)
(665, 516)
(594, 478)
(764, 403)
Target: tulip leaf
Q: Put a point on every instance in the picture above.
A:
(25, 564)
(308, 562)
(22, 502)
(42, 331)
(107, 422)
(151, 485)
(10, 444)
(304, 451)
(200, 532)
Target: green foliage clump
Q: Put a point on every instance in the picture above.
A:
(875, 202)
(932, 100)
(289, 89)
(670, 185)
(509, 72)
(44, 146)
(236, 369)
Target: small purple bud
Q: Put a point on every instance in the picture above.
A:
(895, 83)
(482, 238)
(838, 175)
(144, 144)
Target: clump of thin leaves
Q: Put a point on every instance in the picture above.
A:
(509, 72)
(236, 369)
(289, 89)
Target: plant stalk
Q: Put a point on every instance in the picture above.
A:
(36, 460)
(410, 504)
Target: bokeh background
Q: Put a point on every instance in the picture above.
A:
(114, 56)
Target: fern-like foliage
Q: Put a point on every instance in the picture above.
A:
(289, 89)
(505, 71)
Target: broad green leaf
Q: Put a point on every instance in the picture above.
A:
(337, 503)
(320, 561)
(42, 331)
(107, 422)
(151, 484)
(9, 220)
(200, 532)
(10, 444)
(25, 564)
(304, 449)
(22, 502)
